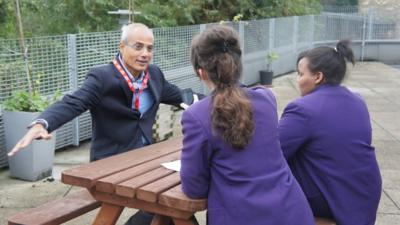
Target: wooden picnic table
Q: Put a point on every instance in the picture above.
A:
(136, 179)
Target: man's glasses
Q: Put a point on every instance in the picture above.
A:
(140, 46)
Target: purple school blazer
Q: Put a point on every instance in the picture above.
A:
(253, 186)
(326, 138)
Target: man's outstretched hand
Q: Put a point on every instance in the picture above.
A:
(185, 105)
(37, 131)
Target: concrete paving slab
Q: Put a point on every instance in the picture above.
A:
(387, 219)
(375, 104)
(390, 178)
(380, 134)
(387, 206)
(394, 195)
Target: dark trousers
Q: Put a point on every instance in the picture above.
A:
(145, 218)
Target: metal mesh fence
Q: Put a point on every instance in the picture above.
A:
(283, 31)
(47, 62)
(91, 49)
(333, 26)
(256, 35)
(172, 55)
(61, 62)
(305, 29)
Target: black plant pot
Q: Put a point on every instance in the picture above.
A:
(266, 77)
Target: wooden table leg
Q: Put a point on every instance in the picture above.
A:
(183, 222)
(108, 214)
(160, 220)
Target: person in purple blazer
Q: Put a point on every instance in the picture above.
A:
(326, 138)
(231, 153)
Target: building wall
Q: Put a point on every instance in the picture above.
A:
(387, 5)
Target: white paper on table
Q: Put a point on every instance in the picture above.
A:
(174, 165)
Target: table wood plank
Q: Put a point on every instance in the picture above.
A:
(175, 198)
(140, 204)
(108, 184)
(87, 174)
(128, 188)
(151, 191)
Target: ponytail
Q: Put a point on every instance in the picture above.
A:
(232, 115)
(344, 50)
(330, 61)
(217, 51)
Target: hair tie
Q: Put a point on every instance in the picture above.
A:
(224, 47)
(224, 86)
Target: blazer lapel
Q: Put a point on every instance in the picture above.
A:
(124, 86)
(154, 88)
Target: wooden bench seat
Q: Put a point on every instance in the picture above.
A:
(57, 211)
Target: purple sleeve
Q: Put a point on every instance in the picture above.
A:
(293, 130)
(195, 170)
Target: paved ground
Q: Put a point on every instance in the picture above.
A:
(377, 83)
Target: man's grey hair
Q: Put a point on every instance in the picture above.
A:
(127, 29)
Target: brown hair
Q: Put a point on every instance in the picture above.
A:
(217, 51)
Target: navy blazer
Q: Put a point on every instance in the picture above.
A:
(116, 127)
(326, 138)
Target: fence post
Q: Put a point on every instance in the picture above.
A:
(271, 34)
(364, 27)
(241, 36)
(73, 80)
(295, 33)
(312, 31)
(271, 37)
(370, 23)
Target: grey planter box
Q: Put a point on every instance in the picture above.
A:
(35, 161)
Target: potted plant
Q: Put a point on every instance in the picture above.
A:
(18, 111)
(266, 76)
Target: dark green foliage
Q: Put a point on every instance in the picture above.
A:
(50, 17)
(6, 19)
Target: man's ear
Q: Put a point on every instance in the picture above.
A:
(121, 46)
(202, 74)
(319, 78)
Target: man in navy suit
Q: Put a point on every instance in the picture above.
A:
(122, 96)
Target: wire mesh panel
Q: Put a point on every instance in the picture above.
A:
(305, 31)
(341, 9)
(332, 27)
(13, 74)
(383, 26)
(93, 49)
(256, 35)
(283, 31)
(46, 62)
(383, 30)
(172, 46)
(172, 55)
